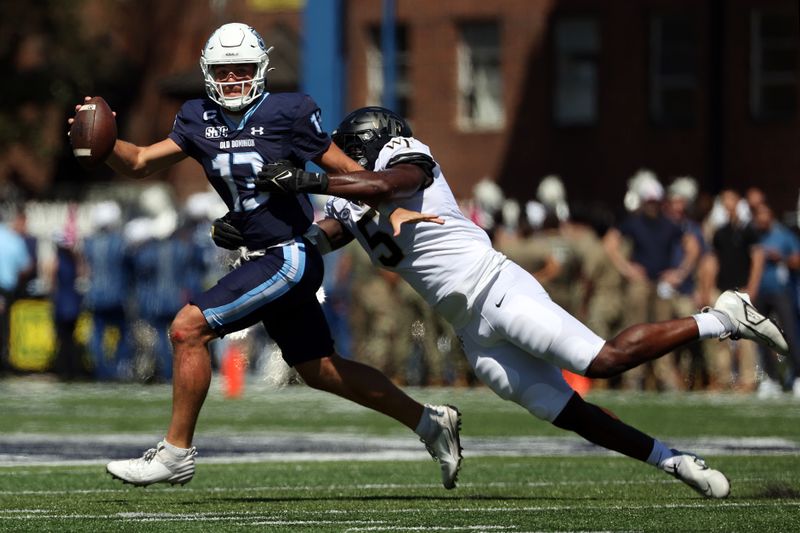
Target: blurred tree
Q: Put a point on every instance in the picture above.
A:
(53, 62)
(140, 55)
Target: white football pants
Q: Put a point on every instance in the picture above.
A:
(518, 340)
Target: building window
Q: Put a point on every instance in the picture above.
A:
(577, 45)
(480, 80)
(673, 70)
(773, 64)
(375, 70)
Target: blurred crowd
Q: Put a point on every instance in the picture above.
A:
(670, 253)
(124, 268)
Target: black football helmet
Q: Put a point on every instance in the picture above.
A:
(363, 133)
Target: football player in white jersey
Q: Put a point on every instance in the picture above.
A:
(516, 338)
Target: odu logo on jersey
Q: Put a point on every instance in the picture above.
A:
(215, 132)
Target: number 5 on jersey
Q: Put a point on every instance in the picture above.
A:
(394, 255)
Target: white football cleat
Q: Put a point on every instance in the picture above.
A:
(694, 471)
(446, 446)
(748, 323)
(769, 388)
(157, 465)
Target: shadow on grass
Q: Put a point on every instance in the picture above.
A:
(778, 491)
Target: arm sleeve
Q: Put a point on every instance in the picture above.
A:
(408, 150)
(624, 227)
(308, 139)
(181, 129)
(423, 161)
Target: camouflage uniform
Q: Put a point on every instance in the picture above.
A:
(602, 290)
(397, 332)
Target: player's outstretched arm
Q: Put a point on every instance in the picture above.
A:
(328, 234)
(135, 161)
(400, 181)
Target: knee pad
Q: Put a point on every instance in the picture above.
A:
(544, 401)
(543, 394)
(496, 377)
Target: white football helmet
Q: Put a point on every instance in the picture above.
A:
(230, 44)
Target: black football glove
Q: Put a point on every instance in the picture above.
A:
(282, 176)
(225, 235)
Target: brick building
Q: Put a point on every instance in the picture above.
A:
(591, 90)
(594, 90)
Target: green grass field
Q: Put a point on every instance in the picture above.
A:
(535, 484)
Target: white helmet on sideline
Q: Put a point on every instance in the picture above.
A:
(106, 215)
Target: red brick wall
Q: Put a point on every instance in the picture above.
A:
(595, 161)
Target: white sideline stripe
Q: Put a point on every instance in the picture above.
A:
(278, 457)
(371, 486)
(264, 519)
(280, 447)
(435, 528)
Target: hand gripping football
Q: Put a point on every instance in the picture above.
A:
(93, 132)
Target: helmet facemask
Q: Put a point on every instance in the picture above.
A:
(234, 44)
(359, 146)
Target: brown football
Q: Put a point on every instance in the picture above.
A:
(93, 132)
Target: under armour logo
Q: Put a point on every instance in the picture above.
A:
(257, 131)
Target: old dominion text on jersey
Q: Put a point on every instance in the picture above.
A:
(274, 127)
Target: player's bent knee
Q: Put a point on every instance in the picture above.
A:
(572, 415)
(541, 399)
(189, 325)
(318, 373)
(606, 364)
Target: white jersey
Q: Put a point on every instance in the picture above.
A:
(515, 338)
(450, 265)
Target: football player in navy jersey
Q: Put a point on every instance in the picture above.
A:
(515, 338)
(233, 132)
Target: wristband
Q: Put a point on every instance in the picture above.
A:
(318, 238)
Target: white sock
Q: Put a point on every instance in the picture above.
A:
(660, 454)
(427, 429)
(174, 450)
(710, 325)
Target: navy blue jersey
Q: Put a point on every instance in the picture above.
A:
(277, 126)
